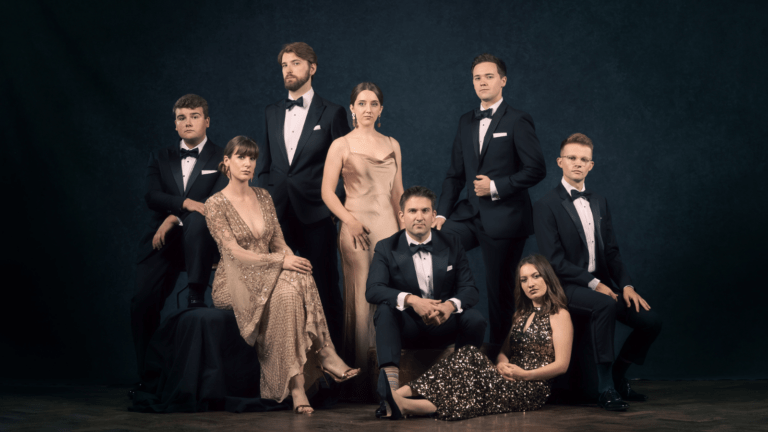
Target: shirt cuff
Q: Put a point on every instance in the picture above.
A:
(494, 192)
(456, 302)
(180, 222)
(401, 301)
(593, 283)
(438, 216)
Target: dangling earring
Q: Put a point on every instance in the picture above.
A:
(354, 120)
(379, 125)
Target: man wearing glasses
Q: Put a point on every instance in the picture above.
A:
(574, 232)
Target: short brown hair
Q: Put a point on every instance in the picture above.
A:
(489, 58)
(239, 145)
(366, 86)
(577, 138)
(417, 191)
(191, 101)
(554, 299)
(302, 51)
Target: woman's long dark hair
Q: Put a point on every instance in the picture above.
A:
(554, 299)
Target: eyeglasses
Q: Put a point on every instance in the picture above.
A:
(572, 159)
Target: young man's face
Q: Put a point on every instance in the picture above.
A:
(191, 123)
(576, 162)
(487, 81)
(296, 71)
(417, 215)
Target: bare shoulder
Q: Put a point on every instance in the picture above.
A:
(561, 317)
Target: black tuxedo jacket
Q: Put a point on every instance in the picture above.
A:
(165, 186)
(392, 271)
(511, 157)
(562, 240)
(299, 182)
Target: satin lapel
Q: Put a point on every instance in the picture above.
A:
(316, 109)
(492, 128)
(571, 209)
(595, 206)
(280, 122)
(475, 130)
(174, 163)
(404, 260)
(440, 253)
(202, 159)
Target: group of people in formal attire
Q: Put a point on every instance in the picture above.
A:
(406, 277)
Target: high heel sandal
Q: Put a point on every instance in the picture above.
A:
(296, 410)
(348, 374)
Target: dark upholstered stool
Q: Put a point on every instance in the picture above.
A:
(579, 384)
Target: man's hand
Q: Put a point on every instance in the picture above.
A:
(603, 289)
(158, 241)
(630, 295)
(192, 205)
(482, 186)
(425, 308)
(438, 223)
(443, 312)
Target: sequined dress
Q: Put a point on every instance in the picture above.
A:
(368, 182)
(466, 384)
(277, 310)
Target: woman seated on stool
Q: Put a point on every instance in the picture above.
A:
(467, 384)
(271, 290)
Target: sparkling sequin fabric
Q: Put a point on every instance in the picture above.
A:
(276, 309)
(466, 384)
(368, 182)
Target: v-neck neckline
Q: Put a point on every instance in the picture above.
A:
(261, 209)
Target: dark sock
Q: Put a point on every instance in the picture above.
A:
(197, 290)
(620, 367)
(604, 379)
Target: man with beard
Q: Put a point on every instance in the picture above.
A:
(300, 129)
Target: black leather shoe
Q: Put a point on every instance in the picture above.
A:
(628, 394)
(381, 411)
(196, 299)
(137, 387)
(611, 400)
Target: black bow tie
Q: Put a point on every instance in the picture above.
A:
(483, 114)
(576, 194)
(426, 247)
(289, 103)
(190, 153)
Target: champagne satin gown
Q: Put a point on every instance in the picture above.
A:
(368, 182)
(277, 310)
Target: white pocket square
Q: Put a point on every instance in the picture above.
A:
(500, 134)
(204, 172)
(450, 268)
(317, 127)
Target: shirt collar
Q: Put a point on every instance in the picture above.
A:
(493, 107)
(199, 147)
(307, 98)
(569, 188)
(411, 240)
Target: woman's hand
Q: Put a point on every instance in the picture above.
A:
(359, 234)
(512, 372)
(295, 263)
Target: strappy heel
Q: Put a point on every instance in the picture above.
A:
(347, 375)
(296, 410)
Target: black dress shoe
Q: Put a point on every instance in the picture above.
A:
(137, 387)
(388, 401)
(611, 400)
(381, 411)
(628, 394)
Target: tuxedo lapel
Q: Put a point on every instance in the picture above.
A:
(202, 159)
(279, 128)
(571, 209)
(174, 163)
(404, 261)
(492, 128)
(316, 109)
(594, 204)
(440, 254)
(475, 129)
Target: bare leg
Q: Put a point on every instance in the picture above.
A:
(334, 364)
(405, 391)
(299, 396)
(411, 406)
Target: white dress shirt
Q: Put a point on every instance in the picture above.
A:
(294, 123)
(588, 223)
(422, 261)
(188, 164)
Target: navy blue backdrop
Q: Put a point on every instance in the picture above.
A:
(671, 92)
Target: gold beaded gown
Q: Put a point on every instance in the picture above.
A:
(278, 310)
(368, 182)
(466, 384)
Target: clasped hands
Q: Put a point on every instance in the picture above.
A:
(432, 312)
(512, 372)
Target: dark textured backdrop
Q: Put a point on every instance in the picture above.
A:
(673, 94)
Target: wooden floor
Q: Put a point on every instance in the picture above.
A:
(674, 406)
